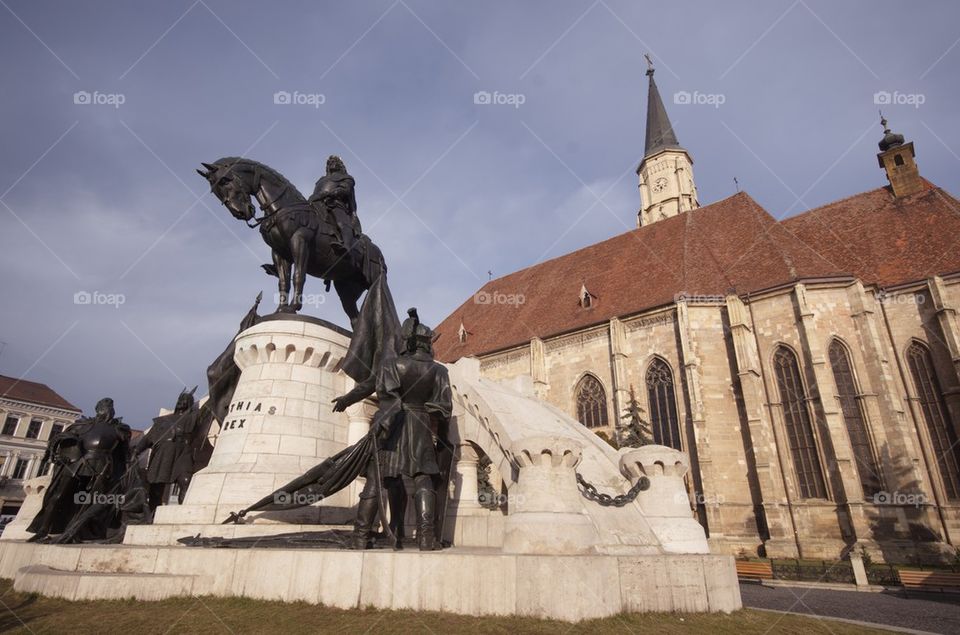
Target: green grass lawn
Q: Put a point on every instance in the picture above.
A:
(27, 613)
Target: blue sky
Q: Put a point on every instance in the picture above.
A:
(103, 197)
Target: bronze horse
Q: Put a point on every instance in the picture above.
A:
(300, 235)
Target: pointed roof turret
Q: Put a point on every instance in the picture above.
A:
(660, 134)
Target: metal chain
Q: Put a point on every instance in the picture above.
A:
(590, 492)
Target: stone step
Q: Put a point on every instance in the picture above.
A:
(87, 585)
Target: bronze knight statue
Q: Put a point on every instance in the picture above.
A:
(173, 440)
(334, 192)
(409, 438)
(89, 461)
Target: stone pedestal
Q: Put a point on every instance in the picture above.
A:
(665, 504)
(545, 510)
(280, 424)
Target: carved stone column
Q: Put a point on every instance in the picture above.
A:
(538, 368)
(545, 513)
(665, 503)
(466, 491)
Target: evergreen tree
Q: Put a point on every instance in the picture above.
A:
(636, 431)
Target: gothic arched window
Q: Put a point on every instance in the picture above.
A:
(591, 402)
(796, 417)
(942, 434)
(663, 404)
(860, 443)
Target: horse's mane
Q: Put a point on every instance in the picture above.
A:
(250, 164)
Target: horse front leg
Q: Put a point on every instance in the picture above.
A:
(282, 267)
(300, 248)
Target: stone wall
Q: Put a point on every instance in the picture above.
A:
(742, 483)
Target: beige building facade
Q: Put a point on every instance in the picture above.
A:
(809, 368)
(31, 413)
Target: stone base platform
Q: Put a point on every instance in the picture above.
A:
(72, 585)
(459, 580)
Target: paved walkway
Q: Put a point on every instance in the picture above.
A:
(932, 612)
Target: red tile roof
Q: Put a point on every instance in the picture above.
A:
(33, 392)
(885, 240)
(733, 245)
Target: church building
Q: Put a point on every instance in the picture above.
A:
(809, 367)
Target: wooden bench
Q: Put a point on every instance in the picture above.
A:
(929, 580)
(751, 570)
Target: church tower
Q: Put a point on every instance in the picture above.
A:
(666, 171)
(897, 158)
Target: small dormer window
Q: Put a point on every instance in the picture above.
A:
(586, 298)
(462, 333)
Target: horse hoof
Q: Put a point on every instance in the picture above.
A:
(286, 309)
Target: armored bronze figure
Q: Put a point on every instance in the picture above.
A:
(409, 436)
(335, 193)
(89, 459)
(173, 443)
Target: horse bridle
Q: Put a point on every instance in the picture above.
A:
(268, 209)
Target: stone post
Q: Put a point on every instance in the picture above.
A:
(545, 513)
(665, 504)
(859, 570)
(279, 424)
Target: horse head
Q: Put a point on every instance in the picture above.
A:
(229, 183)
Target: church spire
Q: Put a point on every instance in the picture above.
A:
(660, 134)
(666, 170)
